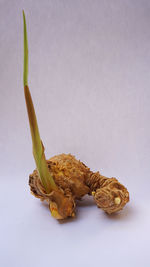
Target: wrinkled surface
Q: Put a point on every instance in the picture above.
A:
(74, 180)
(69, 174)
(108, 193)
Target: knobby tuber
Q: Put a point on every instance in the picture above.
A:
(63, 179)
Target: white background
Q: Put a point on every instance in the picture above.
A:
(89, 75)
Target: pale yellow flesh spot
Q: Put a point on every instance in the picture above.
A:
(117, 200)
(73, 215)
(54, 211)
(93, 193)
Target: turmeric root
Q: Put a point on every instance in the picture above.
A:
(75, 180)
(63, 179)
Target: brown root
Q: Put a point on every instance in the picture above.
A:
(108, 193)
(74, 180)
(69, 174)
(61, 206)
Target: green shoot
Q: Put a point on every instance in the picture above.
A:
(38, 149)
(25, 73)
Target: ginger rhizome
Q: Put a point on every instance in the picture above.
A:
(63, 179)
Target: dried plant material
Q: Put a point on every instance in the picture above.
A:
(108, 193)
(63, 179)
(75, 180)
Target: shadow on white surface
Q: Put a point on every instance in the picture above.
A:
(87, 204)
(126, 214)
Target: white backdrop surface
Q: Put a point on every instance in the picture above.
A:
(89, 76)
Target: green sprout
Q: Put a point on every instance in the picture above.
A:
(38, 148)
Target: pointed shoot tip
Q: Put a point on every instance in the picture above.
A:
(25, 71)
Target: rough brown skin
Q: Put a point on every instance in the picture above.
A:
(74, 180)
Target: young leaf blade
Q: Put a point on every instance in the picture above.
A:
(25, 72)
(38, 148)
